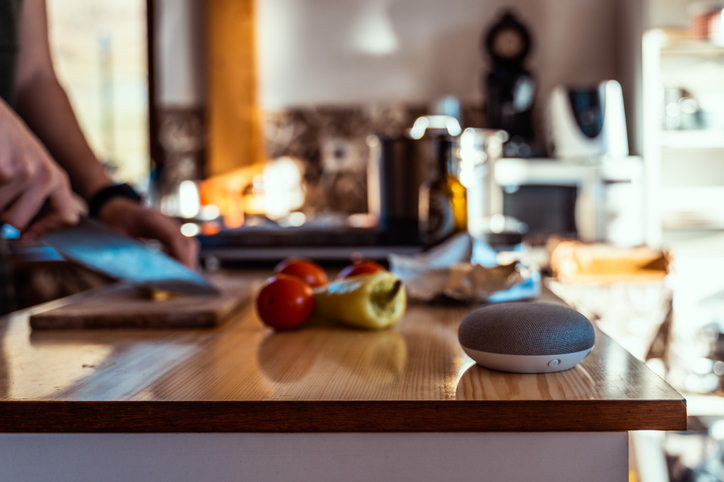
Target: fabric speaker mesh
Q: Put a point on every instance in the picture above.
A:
(526, 329)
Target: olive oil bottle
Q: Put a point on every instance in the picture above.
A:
(443, 199)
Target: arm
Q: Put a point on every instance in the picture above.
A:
(29, 177)
(43, 104)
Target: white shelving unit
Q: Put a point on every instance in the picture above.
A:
(684, 169)
(693, 139)
(684, 172)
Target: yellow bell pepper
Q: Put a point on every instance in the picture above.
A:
(373, 301)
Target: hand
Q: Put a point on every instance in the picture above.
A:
(138, 221)
(28, 178)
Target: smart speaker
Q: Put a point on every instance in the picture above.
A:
(525, 337)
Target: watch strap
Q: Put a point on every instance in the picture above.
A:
(99, 199)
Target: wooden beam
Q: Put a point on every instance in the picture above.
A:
(235, 134)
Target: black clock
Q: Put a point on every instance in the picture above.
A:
(508, 41)
(509, 87)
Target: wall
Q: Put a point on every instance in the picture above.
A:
(670, 13)
(330, 51)
(632, 21)
(180, 79)
(358, 51)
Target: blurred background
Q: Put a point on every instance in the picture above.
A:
(587, 136)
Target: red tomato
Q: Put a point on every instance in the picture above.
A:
(363, 267)
(285, 302)
(307, 270)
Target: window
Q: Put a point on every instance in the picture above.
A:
(100, 54)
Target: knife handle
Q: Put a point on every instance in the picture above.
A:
(44, 211)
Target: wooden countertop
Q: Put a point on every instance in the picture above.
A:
(243, 377)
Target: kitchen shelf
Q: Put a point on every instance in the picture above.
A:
(693, 196)
(693, 207)
(676, 41)
(565, 172)
(693, 139)
(704, 405)
(696, 223)
(693, 47)
(671, 58)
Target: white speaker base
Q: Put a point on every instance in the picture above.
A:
(525, 363)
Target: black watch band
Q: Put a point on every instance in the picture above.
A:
(107, 193)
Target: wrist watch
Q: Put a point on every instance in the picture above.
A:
(99, 199)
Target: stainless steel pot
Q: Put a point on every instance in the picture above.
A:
(398, 166)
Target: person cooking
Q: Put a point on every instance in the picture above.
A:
(44, 156)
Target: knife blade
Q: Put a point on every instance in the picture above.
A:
(100, 248)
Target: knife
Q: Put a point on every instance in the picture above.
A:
(100, 248)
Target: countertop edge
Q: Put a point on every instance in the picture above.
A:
(341, 416)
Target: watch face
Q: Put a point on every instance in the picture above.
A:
(508, 43)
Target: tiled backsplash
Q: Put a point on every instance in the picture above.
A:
(330, 141)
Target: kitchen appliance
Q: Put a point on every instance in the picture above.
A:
(401, 167)
(522, 337)
(100, 248)
(396, 169)
(480, 151)
(588, 122)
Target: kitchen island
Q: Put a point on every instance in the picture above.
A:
(240, 402)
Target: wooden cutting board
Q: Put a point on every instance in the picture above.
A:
(122, 306)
